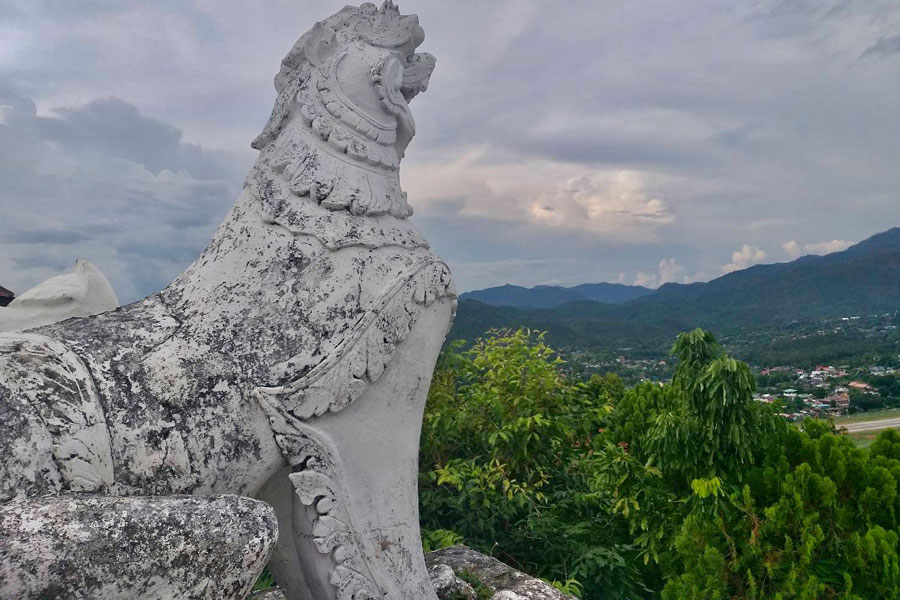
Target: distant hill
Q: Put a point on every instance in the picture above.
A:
(862, 280)
(550, 296)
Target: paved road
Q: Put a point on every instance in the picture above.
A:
(873, 425)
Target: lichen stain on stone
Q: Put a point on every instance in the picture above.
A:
(149, 548)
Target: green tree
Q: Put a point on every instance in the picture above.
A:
(507, 463)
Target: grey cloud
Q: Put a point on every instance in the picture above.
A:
(44, 236)
(738, 136)
(41, 260)
(484, 252)
(104, 182)
(113, 127)
(885, 46)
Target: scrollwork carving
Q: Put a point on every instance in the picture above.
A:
(365, 353)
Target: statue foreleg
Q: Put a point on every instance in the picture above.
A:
(355, 519)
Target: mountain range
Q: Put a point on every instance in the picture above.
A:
(550, 296)
(862, 280)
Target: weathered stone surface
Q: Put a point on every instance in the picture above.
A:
(274, 593)
(81, 293)
(270, 594)
(499, 577)
(140, 548)
(447, 584)
(507, 595)
(445, 565)
(291, 361)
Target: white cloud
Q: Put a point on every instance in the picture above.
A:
(554, 195)
(601, 201)
(795, 250)
(648, 280)
(698, 276)
(667, 271)
(743, 258)
(792, 249)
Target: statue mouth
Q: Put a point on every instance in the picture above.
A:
(416, 74)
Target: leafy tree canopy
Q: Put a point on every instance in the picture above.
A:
(688, 490)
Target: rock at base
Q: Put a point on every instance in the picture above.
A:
(448, 585)
(506, 583)
(141, 548)
(445, 566)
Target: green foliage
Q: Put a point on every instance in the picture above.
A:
(482, 592)
(684, 491)
(264, 581)
(439, 538)
(509, 455)
(570, 586)
(826, 526)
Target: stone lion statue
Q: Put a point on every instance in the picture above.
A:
(288, 364)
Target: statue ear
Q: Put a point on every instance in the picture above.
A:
(318, 46)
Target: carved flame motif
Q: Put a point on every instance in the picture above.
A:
(318, 486)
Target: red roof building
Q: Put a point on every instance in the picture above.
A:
(860, 385)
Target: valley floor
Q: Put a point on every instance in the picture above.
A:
(864, 428)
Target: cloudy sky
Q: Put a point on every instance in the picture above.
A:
(635, 141)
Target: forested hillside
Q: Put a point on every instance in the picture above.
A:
(762, 300)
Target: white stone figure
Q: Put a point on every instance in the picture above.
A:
(290, 362)
(81, 293)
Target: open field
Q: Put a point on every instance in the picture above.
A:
(864, 428)
(868, 417)
(863, 438)
(877, 425)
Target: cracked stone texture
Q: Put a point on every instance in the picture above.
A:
(507, 595)
(270, 594)
(444, 565)
(140, 548)
(506, 583)
(446, 583)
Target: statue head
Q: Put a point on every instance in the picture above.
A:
(344, 91)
